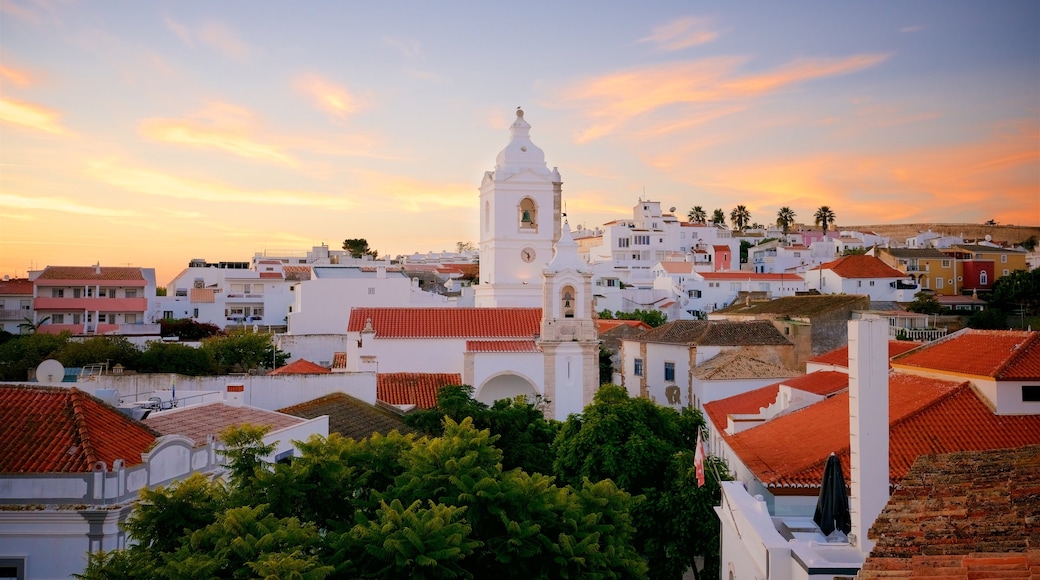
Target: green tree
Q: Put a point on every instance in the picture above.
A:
(242, 349)
(989, 319)
(1019, 290)
(745, 248)
(163, 357)
(461, 247)
(358, 247)
(654, 318)
(785, 219)
(99, 349)
(824, 217)
(740, 216)
(606, 365)
(160, 291)
(718, 217)
(187, 329)
(30, 327)
(25, 352)
(648, 451)
(1029, 243)
(925, 303)
(697, 215)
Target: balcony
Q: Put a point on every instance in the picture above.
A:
(92, 304)
(15, 314)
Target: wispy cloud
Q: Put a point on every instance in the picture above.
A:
(328, 96)
(32, 116)
(909, 29)
(410, 48)
(21, 78)
(414, 195)
(682, 33)
(156, 183)
(60, 204)
(614, 100)
(215, 35)
(218, 126)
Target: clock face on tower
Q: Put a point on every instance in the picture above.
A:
(527, 255)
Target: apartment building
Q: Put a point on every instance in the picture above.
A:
(94, 299)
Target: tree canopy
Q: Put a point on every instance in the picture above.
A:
(718, 217)
(358, 247)
(785, 219)
(741, 217)
(824, 217)
(651, 317)
(697, 215)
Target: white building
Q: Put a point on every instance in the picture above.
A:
(695, 294)
(862, 274)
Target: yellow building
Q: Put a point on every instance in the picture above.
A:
(930, 268)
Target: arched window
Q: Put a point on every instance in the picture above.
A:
(527, 213)
(983, 278)
(567, 301)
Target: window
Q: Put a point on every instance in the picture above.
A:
(90, 317)
(871, 282)
(1030, 393)
(1006, 271)
(77, 292)
(669, 371)
(622, 242)
(859, 283)
(638, 370)
(641, 240)
(129, 319)
(58, 318)
(945, 263)
(167, 314)
(635, 256)
(528, 214)
(938, 283)
(12, 568)
(371, 291)
(57, 292)
(102, 292)
(90, 291)
(983, 278)
(567, 302)
(693, 293)
(735, 286)
(1003, 258)
(26, 305)
(258, 312)
(195, 313)
(131, 293)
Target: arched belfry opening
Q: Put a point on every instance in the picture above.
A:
(567, 298)
(527, 213)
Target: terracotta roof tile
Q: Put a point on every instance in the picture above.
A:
(606, 325)
(350, 417)
(714, 333)
(300, 367)
(448, 322)
(1000, 354)
(965, 505)
(89, 273)
(58, 430)
(800, 305)
(299, 273)
(677, 267)
(861, 266)
(276, 275)
(419, 389)
(198, 422)
(339, 360)
(819, 383)
(824, 383)
(202, 295)
(839, 357)
(737, 365)
(754, 277)
(926, 416)
(501, 346)
(16, 287)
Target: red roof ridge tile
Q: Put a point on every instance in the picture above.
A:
(80, 424)
(1021, 350)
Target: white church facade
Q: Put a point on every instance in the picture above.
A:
(532, 332)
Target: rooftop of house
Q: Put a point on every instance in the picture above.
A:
(714, 333)
(301, 367)
(799, 305)
(839, 357)
(958, 513)
(823, 383)
(418, 389)
(737, 365)
(448, 322)
(861, 266)
(677, 267)
(299, 273)
(753, 276)
(603, 325)
(787, 453)
(59, 430)
(87, 273)
(16, 287)
(1006, 355)
(980, 249)
(351, 417)
(918, 253)
(199, 422)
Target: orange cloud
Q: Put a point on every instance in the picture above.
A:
(329, 96)
(59, 204)
(32, 116)
(616, 99)
(219, 126)
(19, 77)
(682, 33)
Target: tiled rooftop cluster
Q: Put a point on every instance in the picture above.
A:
(58, 430)
(798, 305)
(1005, 355)
(714, 333)
(448, 322)
(861, 266)
(90, 273)
(419, 389)
(199, 422)
(350, 417)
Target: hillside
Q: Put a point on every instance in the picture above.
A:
(900, 232)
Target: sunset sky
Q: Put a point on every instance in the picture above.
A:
(151, 133)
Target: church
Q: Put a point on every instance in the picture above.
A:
(532, 332)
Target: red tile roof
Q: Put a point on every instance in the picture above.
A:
(1007, 355)
(419, 389)
(501, 346)
(89, 273)
(861, 266)
(605, 325)
(927, 416)
(198, 422)
(839, 357)
(339, 360)
(300, 273)
(301, 367)
(822, 383)
(677, 267)
(58, 430)
(16, 286)
(448, 322)
(277, 275)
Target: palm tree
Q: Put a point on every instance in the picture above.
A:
(719, 217)
(30, 326)
(824, 217)
(697, 215)
(785, 219)
(740, 216)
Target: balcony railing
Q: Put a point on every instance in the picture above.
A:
(14, 314)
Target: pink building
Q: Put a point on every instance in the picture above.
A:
(92, 299)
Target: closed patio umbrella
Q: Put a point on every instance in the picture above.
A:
(832, 507)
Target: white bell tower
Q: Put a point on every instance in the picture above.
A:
(569, 341)
(520, 209)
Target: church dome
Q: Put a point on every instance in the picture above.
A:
(521, 153)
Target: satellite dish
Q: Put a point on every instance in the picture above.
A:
(671, 208)
(50, 371)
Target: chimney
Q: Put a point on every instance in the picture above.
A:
(868, 425)
(234, 395)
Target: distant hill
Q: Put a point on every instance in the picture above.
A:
(999, 233)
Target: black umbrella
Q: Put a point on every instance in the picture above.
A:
(832, 507)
